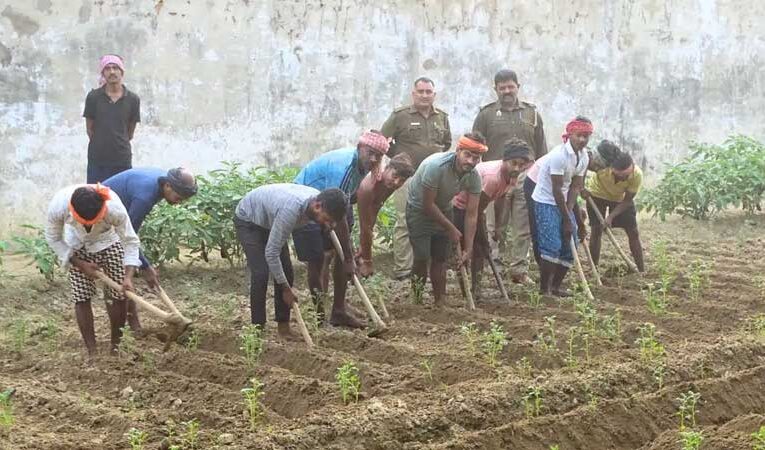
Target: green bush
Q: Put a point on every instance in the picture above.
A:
(37, 249)
(711, 179)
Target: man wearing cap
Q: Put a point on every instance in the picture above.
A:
(559, 181)
(613, 189)
(499, 121)
(111, 114)
(418, 130)
(139, 190)
(89, 230)
(497, 178)
(429, 211)
(341, 169)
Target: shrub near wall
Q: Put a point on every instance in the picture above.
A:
(711, 179)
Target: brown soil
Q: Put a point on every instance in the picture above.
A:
(612, 401)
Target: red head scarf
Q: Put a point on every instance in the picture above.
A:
(375, 141)
(577, 126)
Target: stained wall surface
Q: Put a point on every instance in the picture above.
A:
(276, 82)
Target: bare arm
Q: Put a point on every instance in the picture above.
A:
(432, 211)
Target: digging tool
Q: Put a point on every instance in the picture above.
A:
(466, 282)
(301, 324)
(174, 319)
(611, 237)
(594, 268)
(498, 278)
(378, 323)
(579, 270)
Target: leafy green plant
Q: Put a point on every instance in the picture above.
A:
(758, 439)
(349, 382)
(710, 179)
(659, 372)
(193, 340)
(7, 418)
(686, 411)
(127, 346)
(524, 367)
(571, 359)
(191, 434)
(611, 326)
(427, 368)
(691, 440)
(251, 343)
(651, 350)
(37, 248)
(493, 342)
(470, 332)
(588, 315)
(698, 279)
(418, 290)
(310, 317)
(534, 297)
(136, 438)
(546, 338)
(656, 300)
(252, 402)
(532, 401)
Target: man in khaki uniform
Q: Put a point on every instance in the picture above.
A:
(419, 130)
(499, 121)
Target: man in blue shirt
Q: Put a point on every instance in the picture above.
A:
(342, 169)
(141, 189)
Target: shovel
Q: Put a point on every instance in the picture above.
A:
(579, 270)
(493, 266)
(379, 325)
(594, 268)
(466, 282)
(611, 237)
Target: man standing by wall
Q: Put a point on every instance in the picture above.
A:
(111, 115)
(500, 121)
(140, 190)
(418, 130)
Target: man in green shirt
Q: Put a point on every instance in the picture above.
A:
(500, 121)
(418, 130)
(429, 210)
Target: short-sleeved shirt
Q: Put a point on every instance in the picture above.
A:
(493, 184)
(499, 124)
(438, 172)
(561, 161)
(533, 172)
(603, 185)
(416, 135)
(336, 169)
(110, 144)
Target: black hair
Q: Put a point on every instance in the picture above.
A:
(608, 151)
(334, 203)
(87, 202)
(516, 148)
(402, 164)
(476, 136)
(583, 119)
(505, 75)
(623, 161)
(424, 80)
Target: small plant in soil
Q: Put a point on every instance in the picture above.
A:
(19, 334)
(571, 360)
(656, 299)
(651, 350)
(252, 404)
(193, 340)
(665, 265)
(191, 434)
(588, 315)
(470, 332)
(349, 382)
(493, 342)
(611, 326)
(534, 298)
(546, 338)
(418, 290)
(756, 325)
(524, 367)
(687, 409)
(621, 271)
(691, 440)
(659, 372)
(586, 346)
(136, 438)
(554, 447)
(427, 368)
(532, 401)
(227, 308)
(758, 439)
(6, 410)
(38, 250)
(310, 317)
(698, 279)
(251, 343)
(127, 345)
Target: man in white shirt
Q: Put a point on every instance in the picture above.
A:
(559, 181)
(89, 228)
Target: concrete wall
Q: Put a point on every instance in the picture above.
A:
(275, 82)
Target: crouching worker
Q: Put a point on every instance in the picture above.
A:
(140, 190)
(373, 191)
(429, 211)
(613, 190)
(89, 230)
(497, 178)
(264, 220)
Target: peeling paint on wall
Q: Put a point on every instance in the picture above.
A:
(279, 81)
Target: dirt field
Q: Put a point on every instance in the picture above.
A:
(598, 393)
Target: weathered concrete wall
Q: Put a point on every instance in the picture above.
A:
(277, 81)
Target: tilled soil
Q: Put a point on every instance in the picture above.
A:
(423, 387)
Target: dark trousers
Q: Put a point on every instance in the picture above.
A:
(253, 239)
(528, 190)
(98, 173)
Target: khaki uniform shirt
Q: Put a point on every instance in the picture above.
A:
(498, 124)
(415, 135)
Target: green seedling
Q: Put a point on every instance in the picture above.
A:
(686, 411)
(251, 344)
(588, 315)
(127, 345)
(665, 265)
(592, 399)
(418, 290)
(621, 271)
(691, 440)
(546, 338)
(310, 317)
(493, 342)
(19, 334)
(651, 350)
(7, 418)
(149, 362)
(136, 438)
(532, 401)
(611, 326)
(758, 439)
(191, 435)
(252, 403)
(349, 382)
(586, 346)
(656, 299)
(37, 249)
(659, 372)
(571, 360)
(698, 279)
(534, 297)
(470, 332)
(524, 367)
(193, 340)
(555, 447)
(427, 368)
(228, 308)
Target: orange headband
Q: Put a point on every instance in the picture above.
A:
(469, 144)
(104, 193)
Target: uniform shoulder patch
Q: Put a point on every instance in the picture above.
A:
(529, 104)
(401, 108)
(441, 111)
(488, 105)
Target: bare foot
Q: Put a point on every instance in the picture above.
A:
(341, 318)
(284, 332)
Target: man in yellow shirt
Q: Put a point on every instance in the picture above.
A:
(613, 190)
